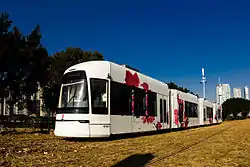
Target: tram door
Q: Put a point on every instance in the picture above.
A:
(163, 111)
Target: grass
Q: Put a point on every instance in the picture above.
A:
(227, 144)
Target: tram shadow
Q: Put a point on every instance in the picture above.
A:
(135, 160)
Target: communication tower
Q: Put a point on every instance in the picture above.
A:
(203, 82)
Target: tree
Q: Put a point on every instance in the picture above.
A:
(5, 35)
(23, 61)
(235, 106)
(59, 62)
(244, 114)
(172, 85)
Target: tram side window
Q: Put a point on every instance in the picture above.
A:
(181, 108)
(99, 96)
(161, 110)
(194, 110)
(209, 112)
(120, 99)
(140, 102)
(165, 111)
(187, 109)
(152, 107)
(204, 114)
(219, 114)
(191, 109)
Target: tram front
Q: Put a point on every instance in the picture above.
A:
(83, 106)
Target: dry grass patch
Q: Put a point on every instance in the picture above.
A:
(210, 146)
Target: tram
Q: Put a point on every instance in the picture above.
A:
(100, 98)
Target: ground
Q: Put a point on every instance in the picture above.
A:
(227, 144)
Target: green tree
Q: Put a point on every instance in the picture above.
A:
(59, 62)
(5, 37)
(244, 114)
(235, 106)
(172, 85)
(23, 61)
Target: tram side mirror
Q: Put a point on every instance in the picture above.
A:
(109, 76)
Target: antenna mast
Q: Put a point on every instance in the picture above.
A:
(203, 81)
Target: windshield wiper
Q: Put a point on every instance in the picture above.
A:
(73, 97)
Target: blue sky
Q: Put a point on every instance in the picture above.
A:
(167, 40)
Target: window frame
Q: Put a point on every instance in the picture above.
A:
(219, 113)
(140, 104)
(127, 92)
(152, 105)
(85, 81)
(209, 112)
(91, 96)
(191, 114)
(123, 88)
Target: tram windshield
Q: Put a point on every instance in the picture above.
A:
(74, 94)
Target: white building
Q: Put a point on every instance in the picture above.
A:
(237, 92)
(223, 92)
(37, 106)
(246, 91)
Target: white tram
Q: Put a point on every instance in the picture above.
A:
(100, 98)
